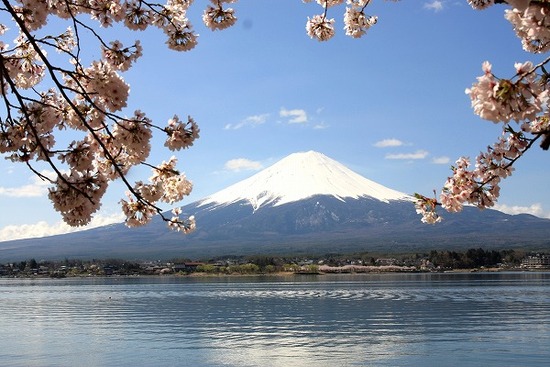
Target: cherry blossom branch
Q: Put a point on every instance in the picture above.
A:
(61, 89)
(82, 181)
(498, 100)
(26, 115)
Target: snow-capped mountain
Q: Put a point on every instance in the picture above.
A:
(305, 203)
(301, 176)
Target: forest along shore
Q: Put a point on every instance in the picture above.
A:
(445, 261)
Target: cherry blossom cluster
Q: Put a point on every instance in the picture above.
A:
(216, 17)
(502, 100)
(532, 26)
(530, 19)
(522, 100)
(427, 208)
(90, 100)
(356, 21)
(166, 185)
(478, 185)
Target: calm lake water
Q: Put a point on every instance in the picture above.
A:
(476, 319)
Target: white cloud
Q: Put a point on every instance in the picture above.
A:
(296, 116)
(321, 126)
(36, 188)
(388, 143)
(26, 191)
(43, 229)
(441, 160)
(435, 5)
(419, 154)
(534, 209)
(253, 120)
(242, 164)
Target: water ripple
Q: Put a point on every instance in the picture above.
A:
(251, 322)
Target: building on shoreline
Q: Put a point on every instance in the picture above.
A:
(536, 261)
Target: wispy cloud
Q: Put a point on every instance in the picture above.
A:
(36, 188)
(242, 164)
(435, 5)
(388, 143)
(295, 116)
(419, 154)
(26, 191)
(253, 120)
(441, 160)
(43, 229)
(534, 209)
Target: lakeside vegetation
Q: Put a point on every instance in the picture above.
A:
(264, 264)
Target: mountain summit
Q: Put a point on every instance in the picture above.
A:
(301, 176)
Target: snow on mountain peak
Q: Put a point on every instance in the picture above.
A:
(300, 176)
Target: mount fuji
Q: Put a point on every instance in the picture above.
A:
(305, 203)
(301, 176)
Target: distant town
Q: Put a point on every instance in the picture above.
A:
(435, 261)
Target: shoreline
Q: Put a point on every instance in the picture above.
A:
(283, 274)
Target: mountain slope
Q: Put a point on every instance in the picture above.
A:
(305, 203)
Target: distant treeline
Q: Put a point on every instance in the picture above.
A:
(262, 264)
(475, 258)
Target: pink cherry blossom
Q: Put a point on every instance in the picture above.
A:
(320, 28)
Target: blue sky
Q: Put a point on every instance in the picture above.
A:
(390, 106)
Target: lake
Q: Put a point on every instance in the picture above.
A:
(449, 319)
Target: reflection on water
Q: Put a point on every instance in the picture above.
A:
(379, 320)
